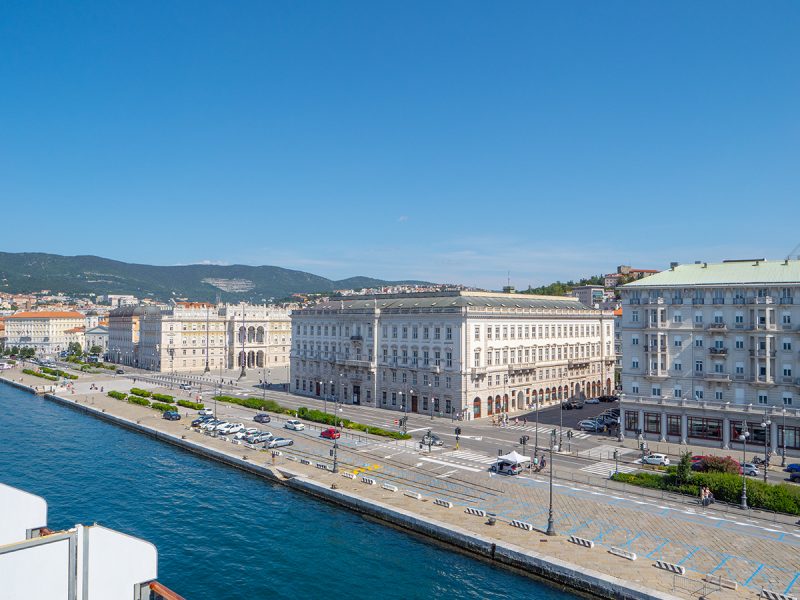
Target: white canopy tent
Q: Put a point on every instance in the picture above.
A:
(514, 457)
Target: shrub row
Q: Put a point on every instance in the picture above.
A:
(162, 406)
(38, 374)
(117, 395)
(316, 416)
(138, 400)
(163, 398)
(726, 487)
(141, 392)
(188, 404)
(58, 373)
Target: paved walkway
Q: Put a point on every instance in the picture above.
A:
(750, 551)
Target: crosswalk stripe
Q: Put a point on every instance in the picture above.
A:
(605, 468)
(469, 456)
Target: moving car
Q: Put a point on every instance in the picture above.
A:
(279, 442)
(120, 372)
(262, 418)
(330, 434)
(593, 401)
(749, 469)
(793, 468)
(795, 477)
(656, 459)
(590, 425)
(432, 439)
(294, 424)
(171, 415)
(575, 403)
(608, 398)
(185, 386)
(505, 467)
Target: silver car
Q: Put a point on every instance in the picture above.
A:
(279, 443)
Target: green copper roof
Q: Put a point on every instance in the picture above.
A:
(740, 272)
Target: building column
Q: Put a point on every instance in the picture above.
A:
(684, 428)
(726, 433)
(663, 427)
(773, 435)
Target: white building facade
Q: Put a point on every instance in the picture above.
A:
(464, 354)
(260, 336)
(708, 347)
(47, 332)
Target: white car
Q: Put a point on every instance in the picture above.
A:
(750, 470)
(231, 428)
(210, 425)
(294, 424)
(220, 426)
(593, 401)
(206, 412)
(243, 433)
(656, 459)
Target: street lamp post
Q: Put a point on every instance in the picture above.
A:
(336, 434)
(560, 423)
(766, 424)
(783, 440)
(536, 438)
(551, 530)
(743, 438)
(430, 386)
(244, 340)
(616, 461)
(207, 369)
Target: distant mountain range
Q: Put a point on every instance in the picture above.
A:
(25, 272)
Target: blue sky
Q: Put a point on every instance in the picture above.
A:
(449, 141)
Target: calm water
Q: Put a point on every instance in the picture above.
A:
(222, 533)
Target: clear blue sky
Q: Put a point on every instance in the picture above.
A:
(450, 141)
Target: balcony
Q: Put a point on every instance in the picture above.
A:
(762, 380)
(633, 301)
(717, 376)
(348, 362)
(761, 353)
(789, 379)
(656, 375)
(653, 301)
(720, 327)
(655, 349)
(718, 300)
(761, 300)
(356, 338)
(475, 371)
(718, 351)
(697, 301)
(522, 366)
(657, 324)
(577, 363)
(787, 300)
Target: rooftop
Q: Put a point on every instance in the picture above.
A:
(46, 314)
(450, 299)
(732, 272)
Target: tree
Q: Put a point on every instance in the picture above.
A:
(27, 352)
(74, 348)
(15, 350)
(684, 469)
(96, 350)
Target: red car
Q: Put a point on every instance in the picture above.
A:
(331, 434)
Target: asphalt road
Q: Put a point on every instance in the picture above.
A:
(552, 415)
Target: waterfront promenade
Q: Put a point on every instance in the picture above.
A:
(745, 550)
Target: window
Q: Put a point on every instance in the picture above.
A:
(739, 343)
(477, 332)
(705, 429)
(424, 333)
(631, 420)
(394, 398)
(635, 363)
(698, 342)
(634, 388)
(677, 318)
(437, 333)
(698, 366)
(698, 318)
(677, 366)
(635, 316)
(677, 392)
(405, 333)
(448, 359)
(448, 333)
(678, 341)
(394, 332)
(787, 344)
(787, 399)
(674, 425)
(488, 332)
(635, 340)
(718, 395)
(652, 422)
(698, 394)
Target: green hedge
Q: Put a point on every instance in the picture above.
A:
(726, 487)
(141, 392)
(314, 415)
(161, 406)
(163, 398)
(58, 373)
(37, 374)
(117, 395)
(138, 400)
(192, 405)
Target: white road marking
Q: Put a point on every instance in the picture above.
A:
(448, 464)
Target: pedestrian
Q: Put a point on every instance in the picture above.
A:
(516, 421)
(524, 421)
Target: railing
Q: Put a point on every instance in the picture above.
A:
(718, 300)
(761, 300)
(717, 326)
(698, 301)
(656, 374)
(787, 300)
(718, 351)
(717, 376)
(522, 366)
(577, 363)
(158, 591)
(356, 338)
(759, 353)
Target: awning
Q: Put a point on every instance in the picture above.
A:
(514, 457)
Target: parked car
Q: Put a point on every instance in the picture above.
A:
(656, 459)
(505, 467)
(220, 425)
(608, 398)
(199, 421)
(206, 412)
(330, 434)
(593, 401)
(264, 438)
(244, 432)
(433, 439)
(795, 477)
(750, 470)
(251, 438)
(575, 403)
(793, 468)
(566, 405)
(171, 415)
(231, 428)
(294, 424)
(185, 386)
(279, 442)
(120, 372)
(590, 425)
(262, 418)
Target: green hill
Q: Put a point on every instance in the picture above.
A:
(79, 275)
